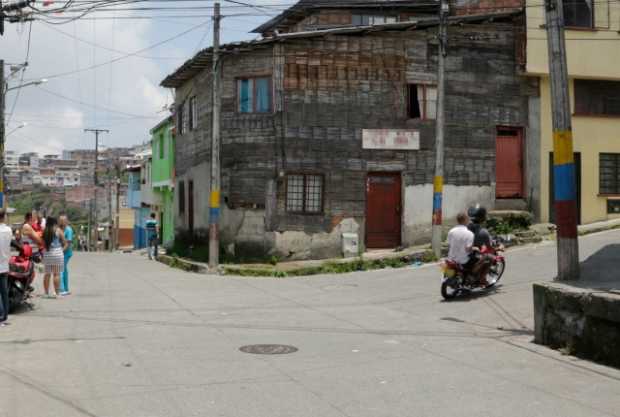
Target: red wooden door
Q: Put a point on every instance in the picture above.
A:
(383, 207)
(509, 163)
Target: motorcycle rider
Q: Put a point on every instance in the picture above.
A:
(482, 238)
(460, 242)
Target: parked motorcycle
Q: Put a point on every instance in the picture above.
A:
(458, 281)
(21, 275)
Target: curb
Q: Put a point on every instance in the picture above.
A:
(346, 265)
(183, 264)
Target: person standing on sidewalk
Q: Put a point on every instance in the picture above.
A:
(151, 236)
(63, 221)
(6, 235)
(53, 257)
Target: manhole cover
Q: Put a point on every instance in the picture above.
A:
(268, 349)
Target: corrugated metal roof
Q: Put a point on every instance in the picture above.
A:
(203, 58)
(299, 10)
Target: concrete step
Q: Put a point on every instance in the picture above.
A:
(511, 204)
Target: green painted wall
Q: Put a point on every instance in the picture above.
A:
(162, 171)
(162, 143)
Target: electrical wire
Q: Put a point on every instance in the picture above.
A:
(120, 58)
(21, 81)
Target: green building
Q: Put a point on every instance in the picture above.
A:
(162, 176)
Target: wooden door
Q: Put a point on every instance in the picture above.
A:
(577, 158)
(190, 206)
(383, 210)
(509, 163)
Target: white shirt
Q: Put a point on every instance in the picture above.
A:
(6, 235)
(460, 240)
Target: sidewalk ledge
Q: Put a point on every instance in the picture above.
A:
(183, 264)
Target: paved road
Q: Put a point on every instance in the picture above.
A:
(140, 340)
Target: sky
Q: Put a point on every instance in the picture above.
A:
(123, 96)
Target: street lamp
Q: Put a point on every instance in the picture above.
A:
(22, 125)
(37, 82)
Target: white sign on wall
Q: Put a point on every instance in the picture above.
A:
(391, 139)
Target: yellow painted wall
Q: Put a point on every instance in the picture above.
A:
(590, 53)
(591, 136)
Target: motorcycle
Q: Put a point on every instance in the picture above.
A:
(21, 275)
(457, 280)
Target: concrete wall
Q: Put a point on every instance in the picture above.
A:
(584, 322)
(418, 207)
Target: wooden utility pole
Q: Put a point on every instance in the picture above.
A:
(444, 12)
(214, 212)
(96, 181)
(563, 156)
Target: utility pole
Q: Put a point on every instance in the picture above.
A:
(444, 11)
(563, 156)
(118, 217)
(110, 219)
(95, 177)
(2, 106)
(214, 212)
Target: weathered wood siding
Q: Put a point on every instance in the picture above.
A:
(327, 90)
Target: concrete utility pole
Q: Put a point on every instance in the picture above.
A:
(2, 106)
(118, 208)
(95, 177)
(444, 11)
(563, 156)
(110, 219)
(214, 212)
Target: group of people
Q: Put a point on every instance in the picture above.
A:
(466, 240)
(51, 240)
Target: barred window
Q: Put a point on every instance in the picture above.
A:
(579, 13)
(304, 193)
(193, 109)
(609, 173)
(180, 120)
(181, 197)
(597, 97)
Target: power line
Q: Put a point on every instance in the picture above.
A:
(87, 42)
(21, 80)
(95, 106)
(112, 61)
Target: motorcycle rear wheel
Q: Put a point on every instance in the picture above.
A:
(449, 290)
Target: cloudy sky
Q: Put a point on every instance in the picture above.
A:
(124, 95)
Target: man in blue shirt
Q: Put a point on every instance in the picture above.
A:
(63, 222)
(151, 236)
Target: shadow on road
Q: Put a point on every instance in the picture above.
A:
(600, 270)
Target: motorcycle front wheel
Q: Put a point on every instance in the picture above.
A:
(449, 289)
(496, 272)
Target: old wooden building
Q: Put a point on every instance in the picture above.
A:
(331, 131)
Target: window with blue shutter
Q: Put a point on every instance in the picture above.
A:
(254, 95)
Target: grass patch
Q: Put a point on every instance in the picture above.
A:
(332, 267)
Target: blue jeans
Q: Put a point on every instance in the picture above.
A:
(4, 297)
(64, 277)
(153, 249)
